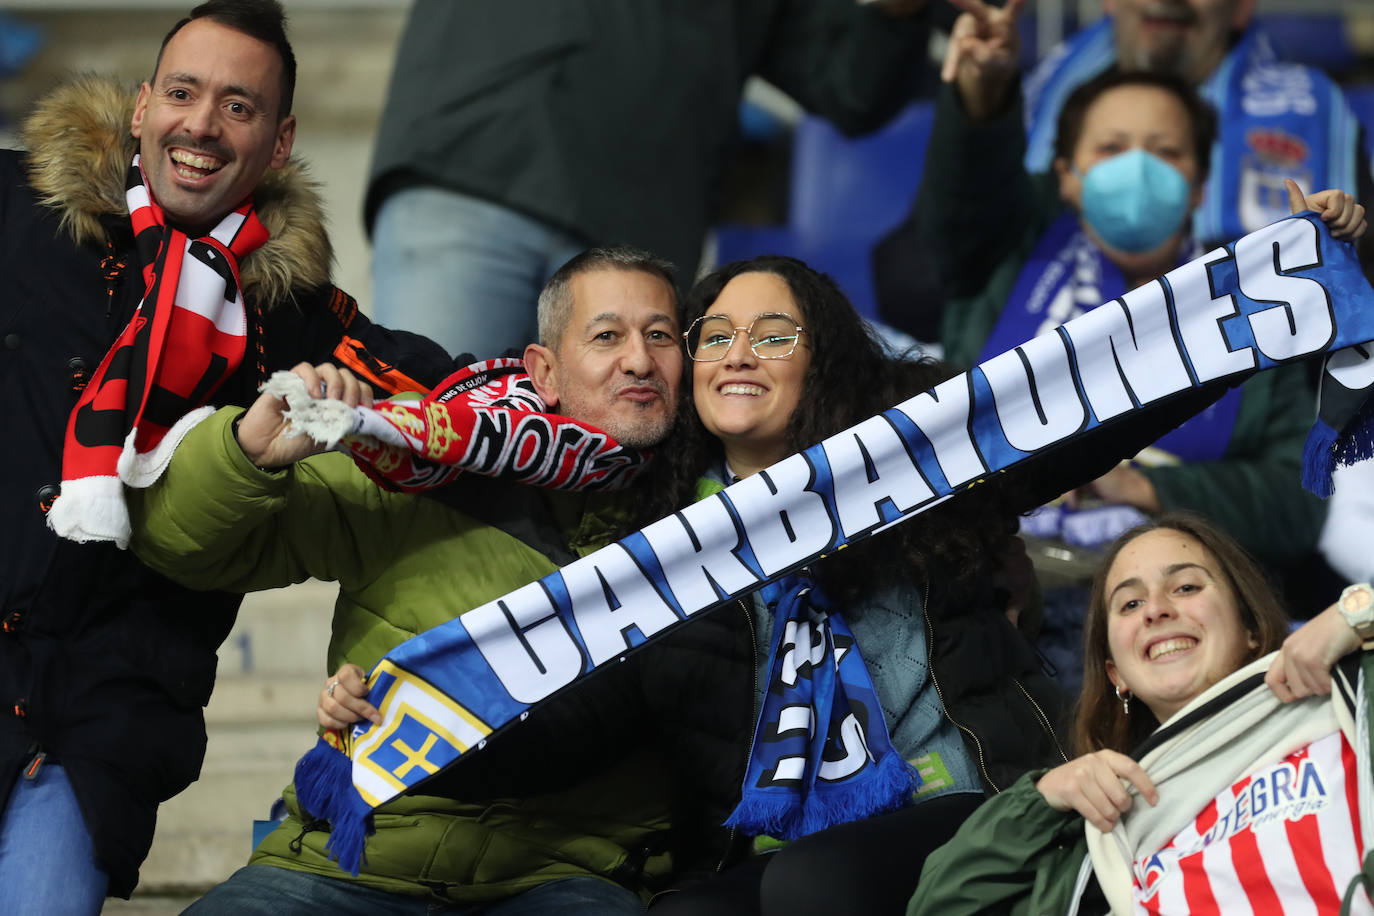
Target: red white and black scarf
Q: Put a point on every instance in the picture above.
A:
(486, 418)
(187, 336)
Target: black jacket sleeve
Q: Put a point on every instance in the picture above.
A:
(326, 325)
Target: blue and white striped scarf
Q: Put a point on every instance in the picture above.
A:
(821, 753)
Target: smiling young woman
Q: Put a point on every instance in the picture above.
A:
(779, 360)
(747, 396)
(1178, 576)
(1208, 748)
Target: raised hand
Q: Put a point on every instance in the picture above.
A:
(343, 700)
(1342, 215)
(265, 435)
(1122, 485)
(1092, 786)
(984, 55)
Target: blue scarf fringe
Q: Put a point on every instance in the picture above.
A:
(324, 787)
(888, 789)
(1319, 460)
(776, 813)
(792, 808)
(1326, 449)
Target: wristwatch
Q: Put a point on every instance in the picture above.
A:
(1357, 607)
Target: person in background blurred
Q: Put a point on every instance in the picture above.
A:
(1349, 530)
(1279, 120)
(1131, 163)
(518, 132)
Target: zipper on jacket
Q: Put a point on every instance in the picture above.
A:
(1044, 719)
(34, 765)
(308, 825)
(112, 269)
(930, 666)
(753, 718)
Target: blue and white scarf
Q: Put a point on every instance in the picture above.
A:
(1065, 276)
(1278, 120)
(1281, 294)
(821, 753)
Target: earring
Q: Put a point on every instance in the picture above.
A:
(1125, 699)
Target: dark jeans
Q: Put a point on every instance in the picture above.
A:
(265, 890)
(863, 868)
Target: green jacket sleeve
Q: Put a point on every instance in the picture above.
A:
(214, 521)
(1255, 490)
(1016, 854)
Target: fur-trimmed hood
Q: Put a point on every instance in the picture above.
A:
(79, 151)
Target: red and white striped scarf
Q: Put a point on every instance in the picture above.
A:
(187, 336)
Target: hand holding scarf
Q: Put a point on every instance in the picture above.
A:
(487, 418)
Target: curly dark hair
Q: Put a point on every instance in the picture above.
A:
(850, 379)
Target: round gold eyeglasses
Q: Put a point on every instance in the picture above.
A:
(771, 336)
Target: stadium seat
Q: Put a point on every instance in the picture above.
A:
(845, 194)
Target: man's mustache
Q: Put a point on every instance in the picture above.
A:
(212, 147)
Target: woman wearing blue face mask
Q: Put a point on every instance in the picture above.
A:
(1022, 254)
(1134, 170)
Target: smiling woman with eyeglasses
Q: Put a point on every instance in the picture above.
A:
(780, 360)
(747, 385)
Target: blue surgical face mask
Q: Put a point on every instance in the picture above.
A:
(1134, 201)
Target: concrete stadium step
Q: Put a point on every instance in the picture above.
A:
(284, 631)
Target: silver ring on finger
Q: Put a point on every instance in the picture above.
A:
(330, 689)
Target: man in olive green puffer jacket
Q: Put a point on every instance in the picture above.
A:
(568, 814)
